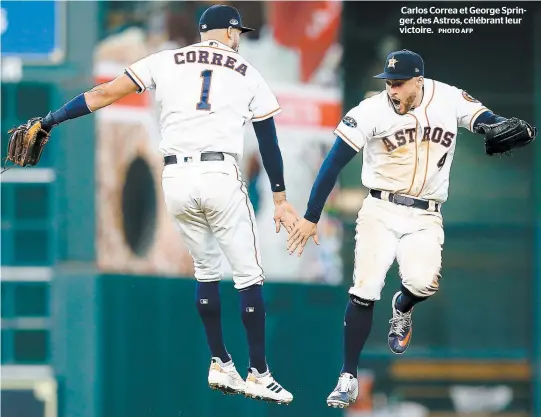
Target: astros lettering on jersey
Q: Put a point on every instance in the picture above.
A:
(411, 153)
(210, 114)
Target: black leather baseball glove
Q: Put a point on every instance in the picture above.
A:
(505, 136)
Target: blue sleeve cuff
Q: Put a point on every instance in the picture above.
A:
(487, 117)
(77, 107)
(271, 156)
(339, 156)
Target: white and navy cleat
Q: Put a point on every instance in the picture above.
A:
(264, 387)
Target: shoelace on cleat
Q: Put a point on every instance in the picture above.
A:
(343, 384)
(400, 323)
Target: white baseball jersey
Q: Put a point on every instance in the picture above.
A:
(205, 93)
(412, 153)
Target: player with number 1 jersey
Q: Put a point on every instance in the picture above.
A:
(218, 91)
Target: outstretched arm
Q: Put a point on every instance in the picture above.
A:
(339, 156)
(27, 141)
(98, 97)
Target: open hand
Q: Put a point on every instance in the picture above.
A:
(285, 214)
(300, 234)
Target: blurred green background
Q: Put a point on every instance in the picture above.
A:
(132, 345)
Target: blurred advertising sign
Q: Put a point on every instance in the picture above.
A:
(33, 31)
(317, 108)
(310, 27)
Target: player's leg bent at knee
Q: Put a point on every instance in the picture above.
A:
(406, 300)
(401, 325)
(419, 259)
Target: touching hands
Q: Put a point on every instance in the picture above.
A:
(284, 213)
(300, 235)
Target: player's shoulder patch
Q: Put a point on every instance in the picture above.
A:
(469, 98)
(349, 121)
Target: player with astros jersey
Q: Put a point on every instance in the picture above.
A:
(408, 135)
(206, 94)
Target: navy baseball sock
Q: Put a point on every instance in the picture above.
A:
(207, 299)
(357, 326)
(253, 317)
(406, 300)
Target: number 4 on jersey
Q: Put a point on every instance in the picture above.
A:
(205, 90)
(441, 162)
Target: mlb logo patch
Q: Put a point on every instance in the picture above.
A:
(250, 309)
(349, 121)
(187, 159)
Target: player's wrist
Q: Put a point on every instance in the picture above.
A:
(311, 217)
(48, 122)
(279, 197)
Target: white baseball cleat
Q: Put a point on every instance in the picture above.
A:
(345, 393)
(264, 387)
(225, 378)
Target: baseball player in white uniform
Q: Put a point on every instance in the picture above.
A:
(206, 93)
(408, 136)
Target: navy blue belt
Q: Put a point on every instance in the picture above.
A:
(404, 200)
(205, 156)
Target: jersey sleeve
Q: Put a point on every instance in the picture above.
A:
(467, 109)
(264, 104)
(356, 126)
(142, 73)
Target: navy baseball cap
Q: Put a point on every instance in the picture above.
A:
(402, 65)
(221, 16)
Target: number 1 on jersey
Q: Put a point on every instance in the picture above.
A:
(205, 89)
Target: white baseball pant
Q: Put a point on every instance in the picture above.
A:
(387, 231)
(209, 202)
